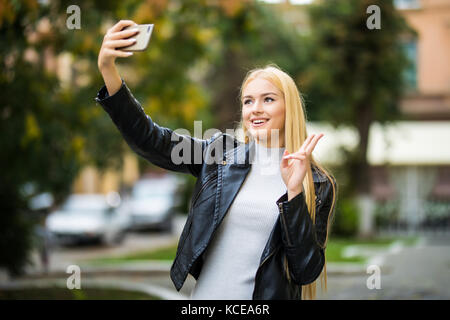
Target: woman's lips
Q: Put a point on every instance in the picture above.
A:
(256, 125)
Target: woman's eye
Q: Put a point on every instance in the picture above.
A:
(265, 99)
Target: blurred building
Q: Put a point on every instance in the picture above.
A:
(422, 171)
(429, 78)
(90, 180)
(410, 160)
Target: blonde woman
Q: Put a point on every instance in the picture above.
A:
(258, 222)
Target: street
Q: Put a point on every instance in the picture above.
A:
(418, 272)
(411, 272)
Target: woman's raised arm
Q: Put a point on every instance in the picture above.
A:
(113, 39)
(159, 145)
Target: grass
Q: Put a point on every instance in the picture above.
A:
(336, 247)
(56, 293)
(164, 253)
(334, 251)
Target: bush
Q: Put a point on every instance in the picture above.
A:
(346, 218)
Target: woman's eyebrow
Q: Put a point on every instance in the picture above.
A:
(262, 95)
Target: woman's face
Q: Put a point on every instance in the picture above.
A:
(263, 112)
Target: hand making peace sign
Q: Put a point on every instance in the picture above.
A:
(294, 172)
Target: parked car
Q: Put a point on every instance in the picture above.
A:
(89, 217)
(152, 203)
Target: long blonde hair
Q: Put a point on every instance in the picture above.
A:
(295, 134)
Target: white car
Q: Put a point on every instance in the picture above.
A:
(152, 202)
(89, 217)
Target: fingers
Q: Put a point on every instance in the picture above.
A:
(113, 44)
(118, 53)
(295, 156)
(313, 143)
(310, 143)
(122, 34)
(122, 24)
(306, 142)
(286, 157)
(306, 149)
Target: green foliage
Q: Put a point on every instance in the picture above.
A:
(346, 218)
(355, 76)
(198, 56)
(46, 127)
(164, 253)
(335, 249)
(252, 37)
(51, 129)
(15, 232)
(351, 67)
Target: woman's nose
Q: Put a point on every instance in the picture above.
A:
(257, 106)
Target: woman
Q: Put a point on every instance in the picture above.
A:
(259, 217)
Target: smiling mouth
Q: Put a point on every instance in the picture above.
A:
(259, 122)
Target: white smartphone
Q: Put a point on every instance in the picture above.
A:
(142, 38)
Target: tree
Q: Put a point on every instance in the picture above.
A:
(355, 74)
(38, 150)
(50, 128)
(252, 35)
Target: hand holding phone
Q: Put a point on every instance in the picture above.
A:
(142, 38)
(120, 41)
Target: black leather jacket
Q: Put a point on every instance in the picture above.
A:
(294, 239)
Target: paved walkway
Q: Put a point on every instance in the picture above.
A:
(419, 272)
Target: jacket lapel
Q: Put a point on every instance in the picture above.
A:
(232, 172)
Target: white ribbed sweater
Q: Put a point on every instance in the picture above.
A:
(232, 258)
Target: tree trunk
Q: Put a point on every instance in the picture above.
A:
(361, 174)
(225, 102)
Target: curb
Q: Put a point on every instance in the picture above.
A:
(162, 267)
(150, 289)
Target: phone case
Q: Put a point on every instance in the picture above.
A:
(142, 38)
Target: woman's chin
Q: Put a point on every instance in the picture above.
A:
(260, 134)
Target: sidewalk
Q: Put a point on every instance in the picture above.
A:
(417, 272)
(407, 272)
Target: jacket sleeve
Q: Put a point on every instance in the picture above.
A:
(149, 140)
(303, 241)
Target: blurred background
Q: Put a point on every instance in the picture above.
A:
(72, 192)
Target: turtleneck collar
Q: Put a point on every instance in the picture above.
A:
(265, 155)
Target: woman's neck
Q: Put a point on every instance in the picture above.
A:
(269, 145)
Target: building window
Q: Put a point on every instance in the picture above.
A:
(407, 4)
(410, 73)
